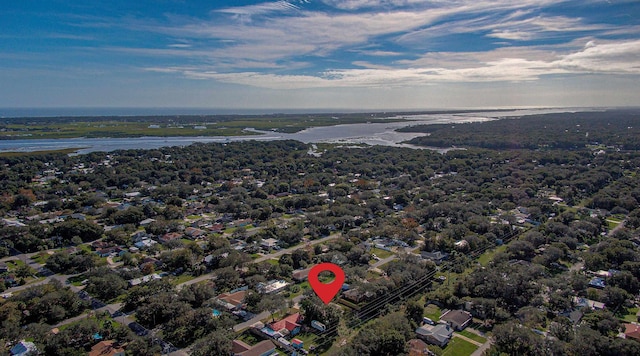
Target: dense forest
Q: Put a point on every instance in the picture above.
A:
(569, 131)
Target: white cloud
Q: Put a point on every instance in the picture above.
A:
(379, 53)
(248, 41)
(517, 26)
(260, 9)
(179, 45)
(616, 58)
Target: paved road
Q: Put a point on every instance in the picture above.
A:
(248, 323)
(61, 278)
(277, 254)
(480, 351)
(618, 227)
(383, 261)
(392, 257)
(297, 247)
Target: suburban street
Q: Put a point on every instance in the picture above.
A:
(277, 254)
(248, 323)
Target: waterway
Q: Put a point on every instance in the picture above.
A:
(370, 133)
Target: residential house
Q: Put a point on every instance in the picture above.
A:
(237, 245)
(597, 282)
(268, 244)
(24, 348)
(232, 301)
(581, 302)
(288, 325)
(574, 315)
(216, 228)
(3, 267)
(155, 261)
(338, 258)
(271, 287)
(101, 244)
(438, 334)
(106, 348)
(297, 344)
(9, 280)
(139, 236)
(418, 347)
(147, 222)
(458, 319)
(263, 348)
(436, 257)
(106, 252)
(145, 243)
(132, 194)
(144, 279)
(301, 275)
(632, 331)
(356, 296)
(13, 222)
(241, 222)
(169, 237)
(194, 233)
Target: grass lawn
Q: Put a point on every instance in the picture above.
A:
(40, 258)
(308, 339)
(302, 287)
(432, 312)
(75, 280)
(181, 279)
(273, 262)
(381, 253)
(459, 347)
(611, 224)
(13, 264)
(629, 316)
(487, 257)
(473, 336)
(249, 338)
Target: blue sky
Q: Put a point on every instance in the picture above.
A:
(319, 54)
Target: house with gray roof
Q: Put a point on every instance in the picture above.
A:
(438, 334)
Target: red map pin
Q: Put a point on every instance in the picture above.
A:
(326, 291)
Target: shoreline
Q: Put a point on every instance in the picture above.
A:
(370, 133)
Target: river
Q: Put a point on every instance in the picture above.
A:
(371, 133)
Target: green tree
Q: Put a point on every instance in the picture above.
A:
(216, 343)
(414, 311)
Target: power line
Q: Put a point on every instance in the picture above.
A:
(374, 307)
